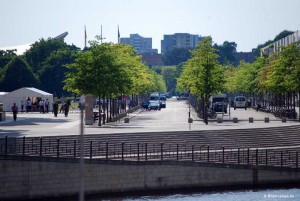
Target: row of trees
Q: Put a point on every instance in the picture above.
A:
(203, 75)
(108, 71)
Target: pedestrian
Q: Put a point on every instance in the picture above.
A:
(66, 107)
(22, 106)
(55, 108)
(14, 109)
(47, 105)
(41, 104)
(28, 105)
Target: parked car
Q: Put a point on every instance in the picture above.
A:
(240, 102)
(154, 105)
(218, 103)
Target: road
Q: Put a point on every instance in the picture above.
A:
(172, 118)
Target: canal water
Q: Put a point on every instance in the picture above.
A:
(249, 195)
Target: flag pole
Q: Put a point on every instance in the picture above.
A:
(118, 35)
(85, 36)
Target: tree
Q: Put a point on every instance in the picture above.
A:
(17, 74)
(176, 56)
(52, 73)
(227, 52)
(202, 75)
(169, 76)
(40, 50)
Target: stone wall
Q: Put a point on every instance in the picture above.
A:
(34, 177)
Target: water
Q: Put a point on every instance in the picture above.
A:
(259, 195)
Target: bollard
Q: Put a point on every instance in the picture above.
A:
(126, 120)
(219, 120)
(267, 120)
(251, 119)
(283, 119)
(235, 120)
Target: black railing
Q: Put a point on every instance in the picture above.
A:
(140, 151)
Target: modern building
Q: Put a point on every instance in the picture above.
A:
(152, 59)
(276, 46)
(179, 40)
(141, 44)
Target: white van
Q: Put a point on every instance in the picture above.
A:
(240, 102)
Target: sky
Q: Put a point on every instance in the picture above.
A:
(246, 22)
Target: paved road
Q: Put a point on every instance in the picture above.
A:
(174, 117)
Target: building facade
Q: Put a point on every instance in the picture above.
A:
(179, 40)
(141, 44)
(277, 45)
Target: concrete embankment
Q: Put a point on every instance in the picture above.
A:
(25, 177)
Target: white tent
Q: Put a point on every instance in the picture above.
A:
(22, 94)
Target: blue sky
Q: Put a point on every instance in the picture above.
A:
(248, 23)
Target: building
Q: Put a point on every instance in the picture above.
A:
(276, 46)
(141, 44)
(152, 59)
(179, 40)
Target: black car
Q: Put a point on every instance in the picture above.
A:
(220, 107)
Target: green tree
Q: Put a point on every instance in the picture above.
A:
(169, 76)
(203, 75)
(17, 74)
(227, 52)
(52, 73)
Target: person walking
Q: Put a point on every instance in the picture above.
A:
(14, 109)
(47, 105)
(66, 107)
(41, 104)
(55, 108)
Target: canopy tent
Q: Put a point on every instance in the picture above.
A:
(23, 94)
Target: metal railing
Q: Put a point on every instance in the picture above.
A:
(143, 151)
